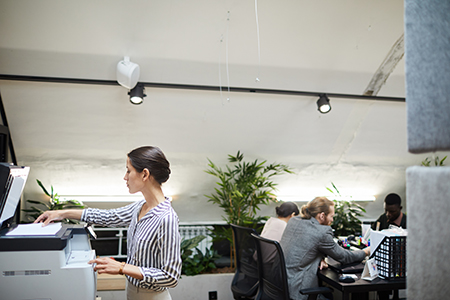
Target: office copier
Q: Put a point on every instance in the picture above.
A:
(38, 265)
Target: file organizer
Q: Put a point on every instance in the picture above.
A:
(390, 257)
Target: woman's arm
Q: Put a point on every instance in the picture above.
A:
(111, 217)
(57, 215)
(108, 265)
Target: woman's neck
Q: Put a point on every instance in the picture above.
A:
(286, 219)
(153, 196)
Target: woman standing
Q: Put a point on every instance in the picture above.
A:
(153, 241)
(307, 240)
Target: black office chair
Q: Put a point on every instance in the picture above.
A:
(273, 283)
(245, 280)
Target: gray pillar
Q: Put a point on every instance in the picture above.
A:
(427, 57)
(428, 250)
(427, 64)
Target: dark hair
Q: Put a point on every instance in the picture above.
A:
(393, 199)
(152, 159)
(316, 206)
(286, 209)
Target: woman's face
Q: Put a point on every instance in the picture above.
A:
(133, 178)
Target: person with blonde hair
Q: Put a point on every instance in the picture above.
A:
(307, 240)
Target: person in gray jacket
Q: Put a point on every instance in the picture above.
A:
(307, 240)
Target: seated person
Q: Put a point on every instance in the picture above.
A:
(274, 227)
(306, 240)
(393, 213)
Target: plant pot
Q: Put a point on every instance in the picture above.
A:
(198, 287)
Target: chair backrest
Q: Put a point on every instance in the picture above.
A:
(246, 277)
(273, 282)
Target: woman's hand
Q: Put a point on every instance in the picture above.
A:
(50, 216)
(367, 251)
(57, 215)
(107, 265)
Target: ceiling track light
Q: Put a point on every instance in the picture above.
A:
(137, 94)
(127, 73)
(198, 87)
(323, 104)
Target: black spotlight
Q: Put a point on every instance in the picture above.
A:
(323, 104)
(137, 94)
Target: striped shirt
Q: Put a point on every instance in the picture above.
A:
(153, 242)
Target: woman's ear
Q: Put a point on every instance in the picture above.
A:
(145, 174)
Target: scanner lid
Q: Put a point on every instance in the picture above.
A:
(12, 182)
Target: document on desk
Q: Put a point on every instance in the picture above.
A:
(35, 229)
(370, 270)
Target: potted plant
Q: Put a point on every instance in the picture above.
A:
(199, 273)
(346, 214)
(437, 163)
(241, 189)
(54, 203)
(199, 262)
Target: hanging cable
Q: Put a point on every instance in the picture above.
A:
(257, 35)
(220, 68)
(226, 57)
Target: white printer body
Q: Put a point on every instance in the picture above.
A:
(44, 267)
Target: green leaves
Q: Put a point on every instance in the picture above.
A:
(54, 203)
(346, 214)
(189, 244)
(199, 262)
(243, 187)
(438, 163)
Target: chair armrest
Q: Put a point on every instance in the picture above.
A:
(316, 290)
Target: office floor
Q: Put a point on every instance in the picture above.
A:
(188, 288)
(121, 295)
(111, 295)
(112, 287)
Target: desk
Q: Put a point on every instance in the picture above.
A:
(107, 282)
(331, 277)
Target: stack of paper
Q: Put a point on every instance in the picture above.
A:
(35, 229)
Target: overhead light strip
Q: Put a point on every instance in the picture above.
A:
(307, 198)
(104, 198)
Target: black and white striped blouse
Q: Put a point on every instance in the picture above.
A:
(153, 242)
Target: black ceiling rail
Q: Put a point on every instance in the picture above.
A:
(197, 87)
(57, 79)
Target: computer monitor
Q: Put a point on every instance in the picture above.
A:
(12, 182)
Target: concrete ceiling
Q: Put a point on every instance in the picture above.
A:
(76, 136)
